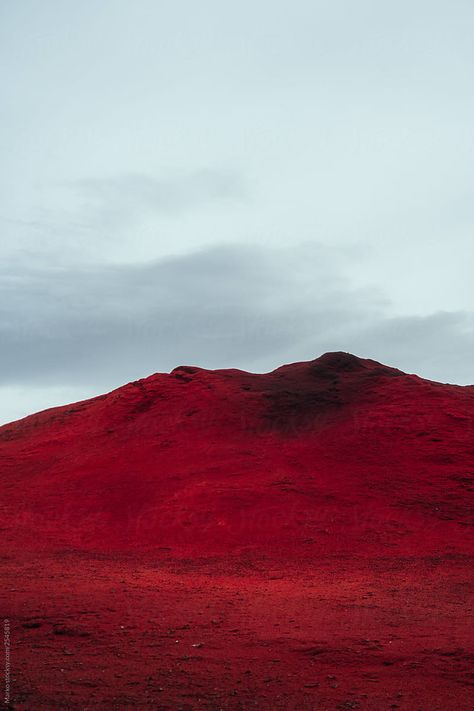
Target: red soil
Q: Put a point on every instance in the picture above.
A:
(310, 530)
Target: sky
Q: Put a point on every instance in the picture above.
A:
(232, 185)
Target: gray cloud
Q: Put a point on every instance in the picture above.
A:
(438, 346)
(222, 307)
(121, 218)
(122, 197)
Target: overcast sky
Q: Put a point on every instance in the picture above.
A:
(232, 184)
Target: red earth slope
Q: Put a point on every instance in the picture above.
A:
(337, 454)
(225, 540)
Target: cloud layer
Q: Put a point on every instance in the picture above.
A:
(239, 306)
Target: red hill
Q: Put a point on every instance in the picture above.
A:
(336, 454)
(300, 539)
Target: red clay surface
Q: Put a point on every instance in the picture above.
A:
(224, 540)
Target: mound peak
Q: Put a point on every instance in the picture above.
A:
(341, 360)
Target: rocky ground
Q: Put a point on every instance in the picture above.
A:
(108, 632)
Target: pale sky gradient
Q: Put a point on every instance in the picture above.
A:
(232, 185)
